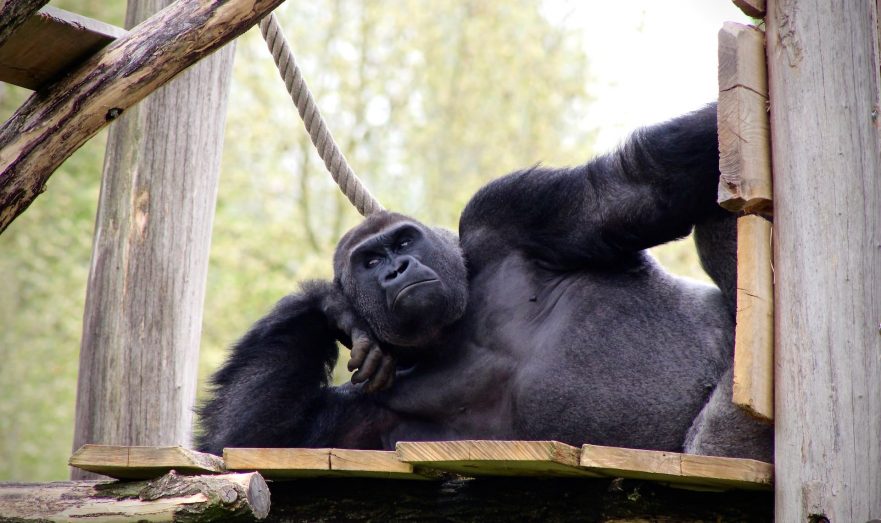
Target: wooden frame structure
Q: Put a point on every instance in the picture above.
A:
(815, 66)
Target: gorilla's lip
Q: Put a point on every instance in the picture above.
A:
(411, 286)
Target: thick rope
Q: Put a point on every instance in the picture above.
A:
(334, 160)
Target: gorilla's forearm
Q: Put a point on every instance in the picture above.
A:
(275, 379)
(652, 190)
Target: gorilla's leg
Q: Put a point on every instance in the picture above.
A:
(724, 429)
(716, 240)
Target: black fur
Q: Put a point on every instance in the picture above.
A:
(551, 322)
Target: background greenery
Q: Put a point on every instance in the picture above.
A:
(428, 99)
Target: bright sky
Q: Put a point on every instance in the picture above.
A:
(650, 59)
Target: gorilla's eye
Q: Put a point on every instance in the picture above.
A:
(371, 262)
(404, 243)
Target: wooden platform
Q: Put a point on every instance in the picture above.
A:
(311, 463)
(424, 460)
(49, 44)
(143, 462)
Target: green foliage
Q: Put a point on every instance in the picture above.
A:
(428, 100)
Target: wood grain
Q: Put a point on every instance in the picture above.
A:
(704, 472)
(823, 65)
(495, 458)
(289, 463)
(170, 498)
(51, 43)
(143, 315)
(51, 125)
(125, 462)
(14, 14)
(754, 334)
(744, 149)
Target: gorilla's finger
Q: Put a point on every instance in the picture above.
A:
(361, 345)
(385, 376)
(369, 368)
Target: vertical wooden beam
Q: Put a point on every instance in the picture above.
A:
(744, 155)
(825, 97)
(754, 335)
(143, 316)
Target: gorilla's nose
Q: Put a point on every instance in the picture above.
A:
(400, 267)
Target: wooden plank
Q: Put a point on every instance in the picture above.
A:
(823, 66)
(753, 8)
(50, 44)
(126, 462)
(289, 463)
(495, 458)
(14, 13)
(754, 334)
(744, 149)
(51, 125)
(704, 472)
(727, 472)
(172, 497)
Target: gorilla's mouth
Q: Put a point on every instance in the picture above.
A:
(409, 288)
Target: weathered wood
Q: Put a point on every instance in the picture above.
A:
(54, 123)
(495, 458)
(143, 315)
(754, 334)
(753, 8)
(288, 463)
(49, 44)
(169, 498)
(510, 499)
(14, 13)
(705, 472)
(823, 65)
(123, 462)
(744, 149)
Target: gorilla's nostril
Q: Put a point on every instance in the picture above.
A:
(403, 266)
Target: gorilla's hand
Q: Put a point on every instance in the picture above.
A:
(373, 364)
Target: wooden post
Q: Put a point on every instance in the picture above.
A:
(143, 314)
(54, 123)
(823, 69)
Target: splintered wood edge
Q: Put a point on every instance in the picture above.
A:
(280, 463)
(121, 461)
(493, 458)
(711, 472)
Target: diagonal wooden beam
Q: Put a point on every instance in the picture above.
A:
(13, 13)
(54, 123)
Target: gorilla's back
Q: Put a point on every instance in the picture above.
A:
(625, 358)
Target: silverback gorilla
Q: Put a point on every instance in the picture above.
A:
(544, 320)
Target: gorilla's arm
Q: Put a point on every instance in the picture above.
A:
(273, 390)
(653, 189)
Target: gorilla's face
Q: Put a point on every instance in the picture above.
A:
(407, 281)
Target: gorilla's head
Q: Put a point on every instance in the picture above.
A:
(408, 281)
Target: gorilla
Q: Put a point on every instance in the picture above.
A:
(545, 319)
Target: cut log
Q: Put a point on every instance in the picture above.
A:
(51, 125)
(169, 498)
(14, 14)
(51, 43)
(744, 148)
(754, 333)
(123, 462)
(289, 463)
(496, 458)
